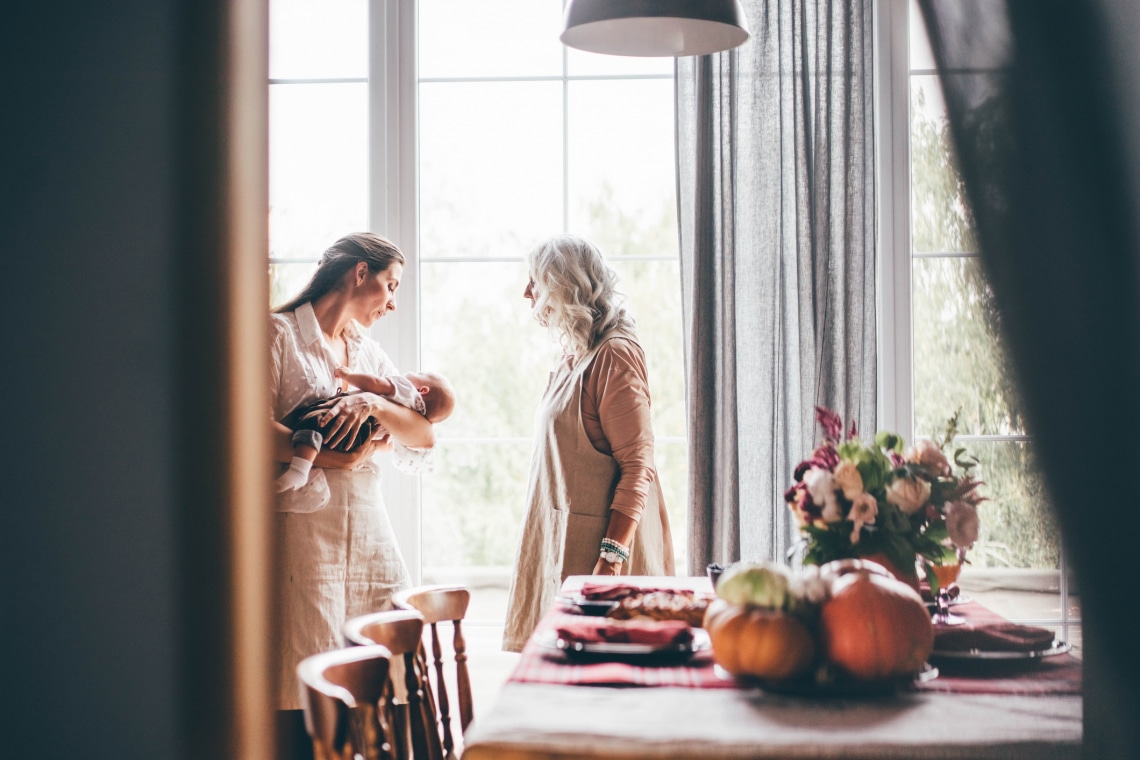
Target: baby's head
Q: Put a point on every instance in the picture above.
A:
(438, 395)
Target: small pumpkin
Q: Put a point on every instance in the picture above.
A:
(759, 642)
(874, 627)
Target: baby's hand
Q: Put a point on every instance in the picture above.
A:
(340, 372)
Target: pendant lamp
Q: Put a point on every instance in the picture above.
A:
(654, 27)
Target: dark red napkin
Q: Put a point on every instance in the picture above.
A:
(596, 591)
(652, 632)
(992, 637)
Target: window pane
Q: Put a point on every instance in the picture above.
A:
(473, 506)
(477, 329)
(622, 163)
(490, 167)
(461, 38)
(957, 359)
(309, 40)
(318, 158)
(672, 459)
(921, 56)
(941, 220)
(286, 281)
(1018, 527)
(580, 63)
(654, 297)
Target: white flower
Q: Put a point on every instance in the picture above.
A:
(909, 494)
(821, 486)
(962, 523)
(849, 480)
(864, 510)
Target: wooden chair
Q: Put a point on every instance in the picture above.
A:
(411, 716)
(442, 604)
(341, 692)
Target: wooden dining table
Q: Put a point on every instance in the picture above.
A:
(555, 721)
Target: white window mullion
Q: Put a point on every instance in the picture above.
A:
(892, 148)
(392, 205)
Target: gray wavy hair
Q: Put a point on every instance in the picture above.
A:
(575, 292)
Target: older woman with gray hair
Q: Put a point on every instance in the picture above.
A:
(594, 504)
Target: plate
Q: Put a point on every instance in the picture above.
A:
(978, 655)
(581, 606)
(827, 682)
(551, 641)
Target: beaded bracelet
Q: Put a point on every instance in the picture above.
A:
(612, 551)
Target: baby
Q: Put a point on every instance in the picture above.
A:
(428, 393)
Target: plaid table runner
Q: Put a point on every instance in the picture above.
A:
(1060, 674)
(1055, 675)
(540, 665)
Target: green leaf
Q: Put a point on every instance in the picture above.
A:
(931, 578)
(888, 441)
(891, 519)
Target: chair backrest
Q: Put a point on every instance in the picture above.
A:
(412, 720)
(440, 604)
(340, 693)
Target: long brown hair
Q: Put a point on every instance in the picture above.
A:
(339, 258)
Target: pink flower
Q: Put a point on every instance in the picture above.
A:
(962, 523)
(864, 510)
(831, 423)
(849, 480)
(909, 494)
(929, 457)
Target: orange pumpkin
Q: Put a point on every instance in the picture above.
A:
(837, 567)
(758, 642)
(907, 575)
(875, 627)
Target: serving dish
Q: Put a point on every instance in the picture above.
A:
(980, 655)
(580, 605)
(826, 681)
(610, 651)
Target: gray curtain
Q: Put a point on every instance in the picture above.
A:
(776, 212)
(1042, 97)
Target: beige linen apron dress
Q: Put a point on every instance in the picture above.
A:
(337, 563)
(568, 507)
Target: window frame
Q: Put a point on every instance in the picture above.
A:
(895, 258)
(393, 187)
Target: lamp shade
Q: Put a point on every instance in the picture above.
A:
(654, 27)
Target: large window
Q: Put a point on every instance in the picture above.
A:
(952, 359)
(467, 133)
(520, 139)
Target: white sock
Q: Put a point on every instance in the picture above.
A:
(296, 476)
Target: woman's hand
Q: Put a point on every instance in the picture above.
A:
(345, 417)
(607, 568)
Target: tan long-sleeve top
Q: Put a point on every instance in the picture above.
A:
(615, 415)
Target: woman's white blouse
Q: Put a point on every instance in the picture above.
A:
(302, 371)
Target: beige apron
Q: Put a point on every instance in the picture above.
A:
(568, 507)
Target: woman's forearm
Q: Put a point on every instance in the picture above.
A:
(407, 426)
(622, 528)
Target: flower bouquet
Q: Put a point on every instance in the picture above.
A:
(884, 501)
